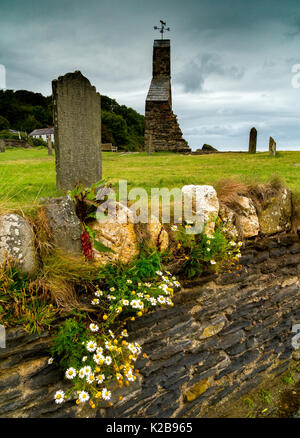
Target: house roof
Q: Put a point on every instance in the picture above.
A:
(43, 131)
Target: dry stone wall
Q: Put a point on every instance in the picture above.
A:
(224, 336)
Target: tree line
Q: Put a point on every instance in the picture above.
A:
(25, 111)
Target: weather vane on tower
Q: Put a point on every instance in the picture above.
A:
(162, 28)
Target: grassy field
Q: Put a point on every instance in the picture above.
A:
(27, 175)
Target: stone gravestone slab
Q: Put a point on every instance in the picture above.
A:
(2, 145)
(252, 141)
(77, 131)
(272, 147)
(49, 143)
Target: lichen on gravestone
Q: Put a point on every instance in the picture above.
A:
(77, 131)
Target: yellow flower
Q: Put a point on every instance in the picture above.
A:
(139, 313)
(133, 292)
(187, 258)
(120, 309)
(97, 370)
(105, 317)
(178, 245)
(77, 401)
(133, 318)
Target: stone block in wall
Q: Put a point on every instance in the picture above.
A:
(276, 212)
(17, 241)
(243, 217)
(65, 226)
(204, 202)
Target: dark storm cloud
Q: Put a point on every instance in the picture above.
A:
(197, 70)
(231, 59)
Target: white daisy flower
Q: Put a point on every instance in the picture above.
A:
(97, 358)
(161, 299)
(95, 301)
(91, 346)
(59, 397)
(125, 302)
(129, 281)
(124, 333)
(99, 350)
(98, 293)
(50, 360)
(140, 304)
(87, 370)
(153, 301)
(111, 333)
(94, 327)
(213, 262)
(159, 273)
(71, 373)
(84, 358)
(112, 289)
(148, 284)
(106, 395)
(134, 304)
(100, 378)
(108, 345)
(90, 378)
(108, 360)
(174, 228)
(81, 373)
(83, 396)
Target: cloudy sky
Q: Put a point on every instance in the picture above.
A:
(232, 60)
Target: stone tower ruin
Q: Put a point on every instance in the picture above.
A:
(162, 131)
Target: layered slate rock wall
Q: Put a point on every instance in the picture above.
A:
(225, 335)
(162, 131)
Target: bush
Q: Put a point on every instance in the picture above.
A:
(36, 142)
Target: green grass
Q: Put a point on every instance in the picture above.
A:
(27, 175)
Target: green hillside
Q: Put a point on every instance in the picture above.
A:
(25, 111)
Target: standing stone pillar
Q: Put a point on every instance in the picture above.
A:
(272, 147)
(2, 145)
(252, 141)
(49, 142)
(77, 131)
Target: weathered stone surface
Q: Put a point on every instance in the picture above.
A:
(213, 327)
(208, 148)
(77, 131)
(272, 147)
(2, 145)
(252, 141)
(118, 234)
(198, 389)
(247, 219)
(247, 338)
(64, 224)
(162, 131)
(275, 215)
(17, 241)
(158, 236)
(204, 202)
(243, 219)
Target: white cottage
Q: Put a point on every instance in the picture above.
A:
(43, 134)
